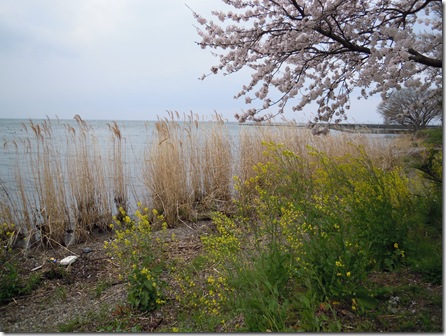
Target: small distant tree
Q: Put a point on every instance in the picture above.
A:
(321, 50)
(412, 108)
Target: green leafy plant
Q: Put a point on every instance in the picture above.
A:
(10, 284)
(143, 290)
(140, 255)
(322, 222)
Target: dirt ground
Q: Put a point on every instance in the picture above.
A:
(59, 300)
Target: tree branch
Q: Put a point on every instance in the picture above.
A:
(419, 58)
(344, 42)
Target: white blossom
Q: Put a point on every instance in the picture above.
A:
(319, 50)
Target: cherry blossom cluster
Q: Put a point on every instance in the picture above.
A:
(303, 51)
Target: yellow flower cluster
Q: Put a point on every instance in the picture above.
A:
(7, 236)
(136, 251)
(215, 295)
(208, 297)
(188, 296)
(7, 233)
(7, 228)
(399, 251)
(294, 230)
(226, 244)
(354, 304)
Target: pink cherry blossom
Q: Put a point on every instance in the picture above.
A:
(300, 51)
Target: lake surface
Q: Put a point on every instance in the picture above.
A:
(20, 146)
(24, 142)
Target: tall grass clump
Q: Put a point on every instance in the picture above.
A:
(39, 204)
(217, 165)
(117, 168)
(188, 167)
(64, 184)
(90, 198)
(250, 151)
(166, 171)
(193, 157)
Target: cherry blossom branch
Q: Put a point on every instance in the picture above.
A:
(309, 49)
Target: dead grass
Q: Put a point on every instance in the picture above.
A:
(67, 185)
(217, 165)
(90, 199)
(44, 211)
(61, 191)
(117, 170)
(188, 167)
(165, 175)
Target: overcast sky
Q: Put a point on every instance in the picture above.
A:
(117, 60)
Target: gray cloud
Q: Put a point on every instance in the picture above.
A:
(109, 59)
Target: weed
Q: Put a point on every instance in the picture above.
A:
(12, 283)
(61, 293)
(9, 281)
(318, 222)
(140, 256)
(100, 287)
(70, 326)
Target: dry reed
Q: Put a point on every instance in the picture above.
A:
(90, 199)
(61, 193)
(165, 174)
(217, 165)
(46, 167)
(189, 167)
(66, 185)
(117, 171)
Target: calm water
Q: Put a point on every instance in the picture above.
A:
(20, 150)
(19, 144)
